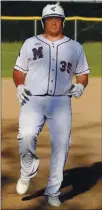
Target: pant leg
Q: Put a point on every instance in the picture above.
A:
(31, 122)
(59, 124)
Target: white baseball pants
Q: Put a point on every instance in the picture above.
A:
(56, 111)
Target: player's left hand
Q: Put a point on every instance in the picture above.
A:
(77, 90)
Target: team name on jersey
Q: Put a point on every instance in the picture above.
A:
(37, 53)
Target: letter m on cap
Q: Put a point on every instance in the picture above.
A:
(37, 53)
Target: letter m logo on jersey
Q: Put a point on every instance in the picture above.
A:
(37, 53)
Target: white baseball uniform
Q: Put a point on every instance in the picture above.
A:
(49, 68)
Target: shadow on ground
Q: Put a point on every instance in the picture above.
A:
(81, 179)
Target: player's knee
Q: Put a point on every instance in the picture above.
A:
(27, 133)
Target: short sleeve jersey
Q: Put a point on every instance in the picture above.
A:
(50, 66)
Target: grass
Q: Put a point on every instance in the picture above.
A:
(93, 52)
(10, 51)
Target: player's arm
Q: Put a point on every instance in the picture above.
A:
(81, 72)
(19, 73)
(18, 77)
(82, 79)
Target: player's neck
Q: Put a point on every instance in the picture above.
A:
(52, 38)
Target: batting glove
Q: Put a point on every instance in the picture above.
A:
(77, 90)
(23, 93)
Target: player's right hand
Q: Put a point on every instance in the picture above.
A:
(23, 93)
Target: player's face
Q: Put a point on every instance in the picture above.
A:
(53, 25)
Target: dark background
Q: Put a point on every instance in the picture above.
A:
(20, 30)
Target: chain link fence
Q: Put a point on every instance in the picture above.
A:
(80, 30)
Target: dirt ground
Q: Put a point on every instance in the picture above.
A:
(82, 185)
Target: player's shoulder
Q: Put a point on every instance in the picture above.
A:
(30, 40)
(76, 44)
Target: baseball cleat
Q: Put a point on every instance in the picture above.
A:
(22, 186)
(54, 201)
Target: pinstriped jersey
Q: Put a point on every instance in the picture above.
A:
(50, 66)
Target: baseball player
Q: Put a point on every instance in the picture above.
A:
(43, 76)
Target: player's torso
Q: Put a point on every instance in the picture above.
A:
(54, 62)
(61, 54)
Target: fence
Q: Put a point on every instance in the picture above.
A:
(79, 28)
